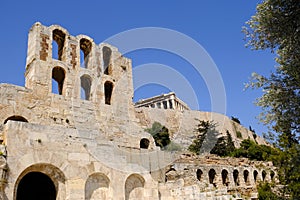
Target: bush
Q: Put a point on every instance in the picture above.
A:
(201, 132)
(265, 192)
(235, 119)
(249, 149)
(173, 146)
(238, 134)
(224, 146)
(160, 134)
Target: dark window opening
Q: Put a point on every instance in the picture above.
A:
(85, 90)
(158, 105)
(16, 118)
(170, 104)
(106, 51)
(264, 174)
(255, 173)
(36, 185)
(144, 143)
(272, 174)
(236, 177)
(199, 174)
(212, 174)
(85, 50)
(225, 180)
(108, 88)
(165, 104)
(58, 75)
(58, 41)
(246, 177)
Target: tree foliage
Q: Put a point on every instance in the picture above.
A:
(202, 130)
(224, 146)
(276, 26)
(249, 149)
(265, 192)
(207, 140)
(160, 134)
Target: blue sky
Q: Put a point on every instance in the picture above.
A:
(216, 25)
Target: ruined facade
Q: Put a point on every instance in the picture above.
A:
(73, 132)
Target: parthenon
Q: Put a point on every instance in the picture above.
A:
(163, 101)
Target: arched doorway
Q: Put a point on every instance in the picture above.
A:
(225, 180)
(134, 187)
(36, 186)
(144, 143)
(212, 175)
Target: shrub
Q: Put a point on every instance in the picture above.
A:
(238, 134)
(160, 134)
(205, 137)
(249, 149)
(224, 146)
(173, 146)
(235, 119)
(265, 192)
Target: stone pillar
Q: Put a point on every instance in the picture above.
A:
(168, 104)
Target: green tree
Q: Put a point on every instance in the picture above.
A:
(224, 146)
(265, 192)
(276, 26)
(249, 149)
(206, 137)
(160, 134)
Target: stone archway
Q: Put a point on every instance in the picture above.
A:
(225, 179)
(38, 178)
(35, 186)
(96, 187)
(212, 177)
(134, 187)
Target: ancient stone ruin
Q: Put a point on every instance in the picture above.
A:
(73, 132)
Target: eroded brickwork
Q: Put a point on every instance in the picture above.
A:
(44, 47)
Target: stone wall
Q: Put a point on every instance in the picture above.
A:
(182, 124)
(73, 133)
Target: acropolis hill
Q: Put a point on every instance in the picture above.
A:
(74, 133)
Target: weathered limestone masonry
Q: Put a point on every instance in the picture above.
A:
(73, 133)
(93, 109)
(182, 124)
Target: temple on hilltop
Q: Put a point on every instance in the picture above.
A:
(163, 101)
(72, 132)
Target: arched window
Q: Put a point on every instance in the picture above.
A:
(85, 87)
(15, 118)
(134, 187)
(255, 173)
(58, 78)
(144, 143)
(246, 177)
(212, 175)
(272, 175)
(199, 174)
(96, 187)
(85, 52)
(106, 52)
(236, 177)
(225, 180)
(108, 88)
(58, 41)
(36, 185)
(263, 175)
